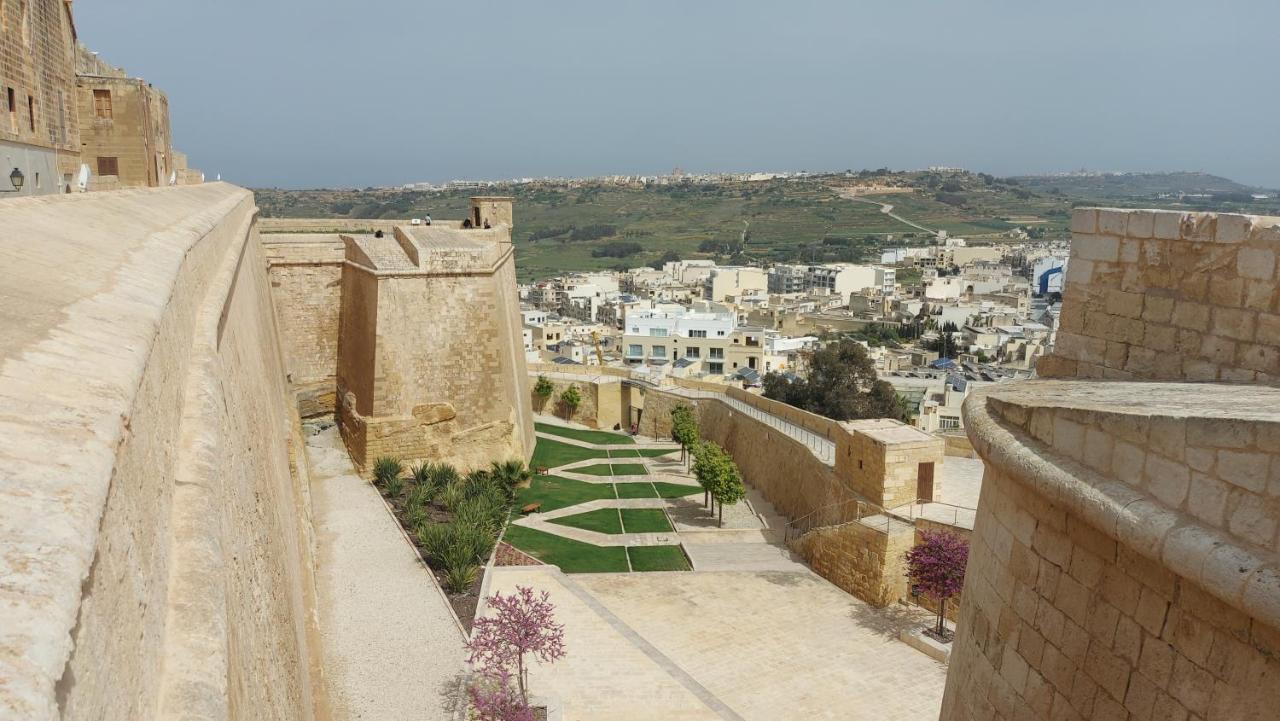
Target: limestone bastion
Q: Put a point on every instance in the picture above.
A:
(1126, 554)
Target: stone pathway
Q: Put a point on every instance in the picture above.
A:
(392, 646)
(749, 645)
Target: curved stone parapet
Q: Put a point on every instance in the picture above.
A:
(1126, 554)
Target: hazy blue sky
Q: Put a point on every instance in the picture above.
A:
(307, 93)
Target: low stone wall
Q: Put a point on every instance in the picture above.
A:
(865, 561)
(601, 405)
(158, 546)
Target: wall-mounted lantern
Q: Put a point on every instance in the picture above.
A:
(17, 179)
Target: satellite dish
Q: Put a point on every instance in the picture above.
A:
(83, 181)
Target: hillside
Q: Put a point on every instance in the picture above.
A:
(594, 226)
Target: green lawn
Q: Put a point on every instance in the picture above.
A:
(628, 453)
(550, 454)
(604, 520)
(555, 492)
(658, 558)
(675, 490)
(571, 556)
(578, 434)
(636, 490)
(616, 469)
(645, 520)
(655, 452)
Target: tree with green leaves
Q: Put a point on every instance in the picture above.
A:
(570, 399)
(718, 475)
(684, 430)
(841, 385)
(543, 389)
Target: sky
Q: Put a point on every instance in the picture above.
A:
(336, 93)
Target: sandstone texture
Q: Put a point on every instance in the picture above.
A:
(1126, 555)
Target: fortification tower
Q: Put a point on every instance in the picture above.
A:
(1126, 554)
(429, 351)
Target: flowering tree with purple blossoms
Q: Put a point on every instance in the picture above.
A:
(935, 568)
(521, 627)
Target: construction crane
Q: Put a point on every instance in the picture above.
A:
(595, 340)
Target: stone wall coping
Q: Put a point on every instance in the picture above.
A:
(70, 373)
(1243, 577)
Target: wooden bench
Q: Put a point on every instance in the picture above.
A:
(530, 508)
(543, 470)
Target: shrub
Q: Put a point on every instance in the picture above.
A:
(442, 476)
(415, 514)
(570, 399)
(459, 567)
(385, 469)
(458, 579)
(543, 388)
(434, 540)
(453, 495)
(393, 486)
(510, 474)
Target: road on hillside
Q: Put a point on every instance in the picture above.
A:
(887, 209)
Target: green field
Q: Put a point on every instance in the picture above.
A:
(554, 492)
(645, 520)
(799, 219)
(604, 520)
(635, 490)
(657, 558)
(578, 434)
(550, 454)
(571, 556)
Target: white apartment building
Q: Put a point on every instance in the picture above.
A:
(840, 279)
(708, 340)
(734, 281)
(788, 278)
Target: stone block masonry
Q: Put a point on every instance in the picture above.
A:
(155, 528)
(1170, 296)
(1125, 559)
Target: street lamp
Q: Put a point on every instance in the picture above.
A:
(17, 178)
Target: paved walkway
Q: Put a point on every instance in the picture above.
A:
(392, 647)
(754, 645)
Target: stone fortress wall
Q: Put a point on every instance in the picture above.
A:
(1126, 554)
(150, 430)
(413, 338)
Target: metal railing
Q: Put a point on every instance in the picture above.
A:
(821, 447)
(937, 512)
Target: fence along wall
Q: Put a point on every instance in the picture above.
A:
(157, 545)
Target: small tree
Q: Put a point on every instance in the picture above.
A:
(522, 626)
(570, 399)
(935, 569)
(684, 430)
(543, 389)
(718, 475)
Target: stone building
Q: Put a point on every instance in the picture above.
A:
(124, 127)
(39, 127)
(1126, 553)
(411, 333)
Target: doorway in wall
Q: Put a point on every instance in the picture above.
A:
(924, 482)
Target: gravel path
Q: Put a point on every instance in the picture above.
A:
(392, 647)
